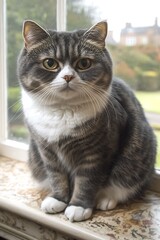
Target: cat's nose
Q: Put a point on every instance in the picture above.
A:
(68, 78)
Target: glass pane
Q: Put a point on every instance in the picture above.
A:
(80, 14)
(44, 13)
(134, 43)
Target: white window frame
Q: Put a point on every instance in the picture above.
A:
(10, 148)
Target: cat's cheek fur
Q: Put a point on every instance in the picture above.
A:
(77, 214)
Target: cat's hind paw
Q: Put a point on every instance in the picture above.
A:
(77, 214)
(52, 205)
(106, 204)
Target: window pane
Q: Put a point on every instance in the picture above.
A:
(134, 42)
(79, 14)
(44, 13)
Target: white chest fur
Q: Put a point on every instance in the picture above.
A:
(54, 122)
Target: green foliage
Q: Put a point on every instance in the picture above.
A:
(79, 16)
(18, 132)
(14, 104)
(17, 12)
(138, 65)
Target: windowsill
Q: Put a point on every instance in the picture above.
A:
(20, 217)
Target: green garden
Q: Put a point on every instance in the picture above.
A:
(151, 103)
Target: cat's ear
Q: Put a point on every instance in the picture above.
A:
(96, 35)
(33, 34)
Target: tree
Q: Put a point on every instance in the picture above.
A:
(17, 12)
(138, 66)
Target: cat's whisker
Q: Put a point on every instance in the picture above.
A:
(101, 99)
(15, 103)
(91, 98)
(47, 92)
(101, 94)
(104, 97)
(42, 95)
(15, 117)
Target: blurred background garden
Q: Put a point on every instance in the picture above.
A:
(136, 61)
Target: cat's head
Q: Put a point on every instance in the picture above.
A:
(67, 67)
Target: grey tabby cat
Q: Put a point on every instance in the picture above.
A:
(89, 138)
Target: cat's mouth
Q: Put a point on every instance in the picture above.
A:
(67, 88)
(67, 91)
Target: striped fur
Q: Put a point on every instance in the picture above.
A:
(89, 137)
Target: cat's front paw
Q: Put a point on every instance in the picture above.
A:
(52, 205)
(77, 214)
(106, 204)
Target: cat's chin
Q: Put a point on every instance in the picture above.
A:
(71, 100)
(68, 94)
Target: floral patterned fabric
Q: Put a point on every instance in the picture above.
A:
(139, 219)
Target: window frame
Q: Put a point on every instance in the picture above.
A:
(10, 148)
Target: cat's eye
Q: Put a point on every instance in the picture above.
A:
(50, 64)
(84, 63)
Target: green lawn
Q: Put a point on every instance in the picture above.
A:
(158, 149)
(151, 103)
